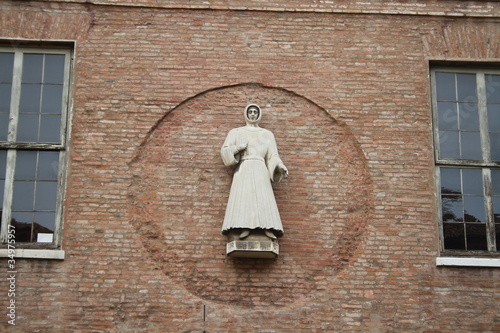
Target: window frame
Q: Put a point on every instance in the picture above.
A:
(485, 165)
(36, 249)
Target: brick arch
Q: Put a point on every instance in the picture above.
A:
(180, 190)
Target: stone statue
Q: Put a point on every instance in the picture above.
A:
(251, 206)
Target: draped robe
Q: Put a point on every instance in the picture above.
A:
(251, 203)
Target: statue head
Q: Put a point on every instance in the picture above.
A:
(253, 114)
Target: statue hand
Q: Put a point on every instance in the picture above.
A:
(242, 146)
(283, 169)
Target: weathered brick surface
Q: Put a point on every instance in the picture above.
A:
(346, 92)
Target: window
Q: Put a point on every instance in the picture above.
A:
(34, 85)
(467, 135)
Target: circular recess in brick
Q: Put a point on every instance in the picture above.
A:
(180, 188)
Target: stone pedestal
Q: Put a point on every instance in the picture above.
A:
(255, 245)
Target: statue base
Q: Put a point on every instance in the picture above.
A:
(255, 245)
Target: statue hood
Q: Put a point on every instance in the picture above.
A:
(246, 116)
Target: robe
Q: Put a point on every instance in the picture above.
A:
(251, 203)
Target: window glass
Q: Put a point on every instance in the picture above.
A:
(54, 68)
(24, 195)
(6, 71)
(35, 191)
(492, 83)
(26, 165)
(48, 165)
(6, 67)
(476, 237)
(493, 106)
(446, 88)
(468, 117)
(27, 129)
(466, 88)
(495, 179)
(450, 181)
(463, 208)
(30, 98)
(23, 221)
(454, 236)
(447, 113)
(32, 68)
(470, 144)
(452, 208)
(41, 103)
(449, 145)
(3, 169)
(38, 81)
(50, 128)
(52, 99)
(495, 146)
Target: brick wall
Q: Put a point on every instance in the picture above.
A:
(155, 89)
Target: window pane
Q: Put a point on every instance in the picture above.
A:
(474, 209)
(452, 208)
(471, 146)
(30, 98)
(50, 128)
(24, 192)
(447, 116)
(494, 117)
(54, 68)
(52, 99)
(495, 178)
(495, 146)
(476, 236)
(454, 236)
(450, 181)
(23, 222)
(445, 86)
(25, 165)
(466, 87)
(44, 222)
(2, 187)
(32, 68)
(48, 165)
(496, 209)
(448, 144)
(5, 93)
(46, 195)
(497, 235)
(492, 88)
(469, 117)
(4, 126)
(472, 181)
(27, 129)
(3, 160)
(6, 66)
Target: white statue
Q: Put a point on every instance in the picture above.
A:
(251, 203)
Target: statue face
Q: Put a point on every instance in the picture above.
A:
(253, 114)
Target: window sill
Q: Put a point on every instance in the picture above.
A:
(467, 262)
(34, 254)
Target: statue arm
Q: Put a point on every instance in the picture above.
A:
(230, 149)
(276, 167)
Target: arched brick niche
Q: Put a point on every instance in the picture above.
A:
(180, 189)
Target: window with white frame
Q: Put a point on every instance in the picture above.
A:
(466, 106)
(34, 86)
